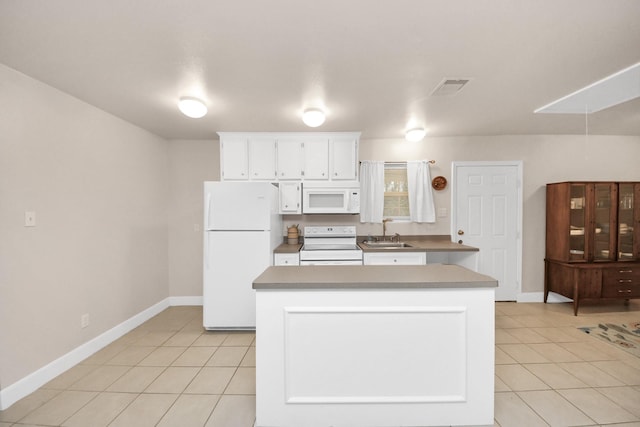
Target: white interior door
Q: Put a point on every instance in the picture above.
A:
(487, 213)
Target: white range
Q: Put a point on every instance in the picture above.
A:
(330, 245)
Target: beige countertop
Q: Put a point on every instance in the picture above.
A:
(286, 248)
(371, 277)
(426, 243)
(422, 244)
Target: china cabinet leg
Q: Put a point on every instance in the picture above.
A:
(546, 281)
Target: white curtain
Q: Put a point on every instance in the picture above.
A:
(421, 207)
(371, 191)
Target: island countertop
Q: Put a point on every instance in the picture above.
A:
(371, 277)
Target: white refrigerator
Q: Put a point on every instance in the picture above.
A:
(242, 227)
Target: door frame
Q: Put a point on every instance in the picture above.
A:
(455, 166)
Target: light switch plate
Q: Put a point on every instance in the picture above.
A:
(29, 219)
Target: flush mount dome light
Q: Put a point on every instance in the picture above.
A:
(313, 117)
(192, 107)
(415, 135)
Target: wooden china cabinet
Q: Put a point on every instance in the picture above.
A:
(593, 241)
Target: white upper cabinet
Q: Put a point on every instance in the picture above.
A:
(290, 198)
(262, 158)
(290, 158)
(344, 158)
(234, 161)
(300, 156)
(316, 158)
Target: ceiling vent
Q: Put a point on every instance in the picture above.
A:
(449, 87)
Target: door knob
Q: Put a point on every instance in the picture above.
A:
(460, 232)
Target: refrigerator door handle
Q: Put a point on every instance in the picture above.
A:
(206, 249)
(207, 212)
(206, 229)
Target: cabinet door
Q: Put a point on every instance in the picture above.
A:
(404, 258)
(233, 159)
(290, 159)
(578, 221)
(344, 158)
(316, 159)
(262, 159)
(290, 198)
(286, 259)
(603, 229)
(628, 221)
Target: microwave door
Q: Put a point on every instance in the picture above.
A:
(319, 201)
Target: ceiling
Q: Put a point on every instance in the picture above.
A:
(371, 64)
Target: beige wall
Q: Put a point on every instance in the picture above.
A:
(546, 158)
(191, 163)
(98, 186)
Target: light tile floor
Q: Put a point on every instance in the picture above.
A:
(170, 372)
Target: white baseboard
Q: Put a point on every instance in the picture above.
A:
(27, 385)
(175, 301)
(539, 297)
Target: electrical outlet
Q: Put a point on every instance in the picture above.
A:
(84, 320)
(29, 219)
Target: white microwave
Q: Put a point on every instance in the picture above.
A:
(331, 198)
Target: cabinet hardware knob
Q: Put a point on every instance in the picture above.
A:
(460, 232)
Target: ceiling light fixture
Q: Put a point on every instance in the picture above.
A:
(192, 107)
(415, 135)
(313, 117)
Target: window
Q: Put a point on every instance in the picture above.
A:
(396, 196)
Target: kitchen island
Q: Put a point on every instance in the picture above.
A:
(374, 346)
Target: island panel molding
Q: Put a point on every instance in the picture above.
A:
(356, 341)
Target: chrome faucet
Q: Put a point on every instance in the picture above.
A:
(384, 227)
(397, 237)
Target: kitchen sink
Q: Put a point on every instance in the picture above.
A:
(386, 245)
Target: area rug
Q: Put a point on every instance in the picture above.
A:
(625, 335)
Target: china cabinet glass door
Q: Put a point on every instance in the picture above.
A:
(626, 222)
(604, 221)
(577, 222)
